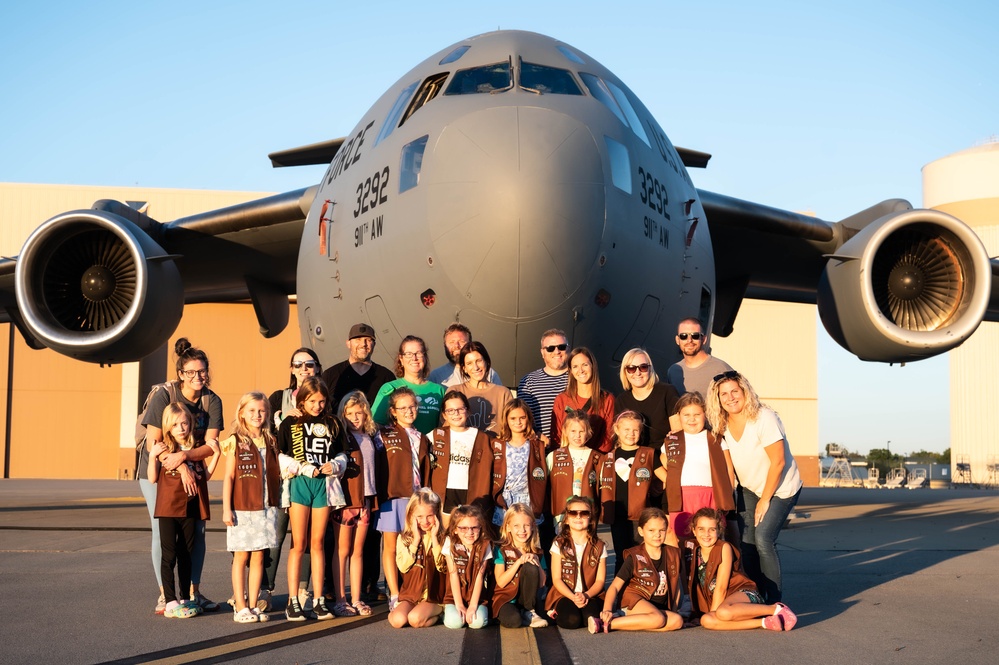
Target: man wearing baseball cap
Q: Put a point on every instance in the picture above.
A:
(358, 372)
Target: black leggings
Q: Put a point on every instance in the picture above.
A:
(527, 597)
(176, 543)
(571, 617)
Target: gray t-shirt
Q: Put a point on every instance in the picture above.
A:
(695, 379)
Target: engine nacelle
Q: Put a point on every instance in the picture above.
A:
(93, 286)
(908, 286)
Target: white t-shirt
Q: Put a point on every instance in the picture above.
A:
(696, 469)
(555, 549)
(461, 456)
(751, 461)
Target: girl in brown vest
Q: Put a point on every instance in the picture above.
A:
(574, 467)
(468, 551)
(402, 462)
(520, 474)
(728, 599)
(177, 509)
(251, 496)
(649, 582)
(625, 479)
(519, 570)
(579, 567)
(693, 469)
(418, 556)
(350, 524)
(460, 463)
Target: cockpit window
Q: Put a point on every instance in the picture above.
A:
(454, 55)
(547, 80)
(569, 53)
(602, 94)
(489, 78)
(393, 115)
(629, 112)
(411, 163)
(431, 88)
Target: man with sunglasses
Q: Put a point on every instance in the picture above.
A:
(698, 367)
(358, 372)
(540, 387)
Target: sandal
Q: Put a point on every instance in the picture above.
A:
(362, 608)
(342, 609)
(176, 610)
(244, 616)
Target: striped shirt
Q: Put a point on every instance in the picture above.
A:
(539, 389)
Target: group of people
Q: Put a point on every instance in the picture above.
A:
(484, 506)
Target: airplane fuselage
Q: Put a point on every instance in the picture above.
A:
(517, 187)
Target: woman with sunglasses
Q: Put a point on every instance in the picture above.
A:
(646, 396)
(304, 363)
(756, 450)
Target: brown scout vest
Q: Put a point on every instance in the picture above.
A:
(561, 479)
(422, 579)
(645, 577)
(502, 596)
(467, 564)
(395, 472)
(353, 478)
(248, 486)
(676, 450)
(537, 474)
(591, 561)
(701, 594)
(638, 484)
(172, 499)
(480, 467)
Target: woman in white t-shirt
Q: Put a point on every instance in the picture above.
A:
(756, 447)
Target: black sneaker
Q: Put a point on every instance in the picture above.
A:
(320, 610)
(294, 610)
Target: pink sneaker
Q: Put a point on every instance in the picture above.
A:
(774, 622)
(789, 617)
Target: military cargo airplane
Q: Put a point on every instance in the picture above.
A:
(513, 183)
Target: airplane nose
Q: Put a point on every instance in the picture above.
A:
(515, 200)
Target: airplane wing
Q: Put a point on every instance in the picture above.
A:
(139, 273)
(887, 270)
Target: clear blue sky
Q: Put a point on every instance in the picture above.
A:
(827, 107)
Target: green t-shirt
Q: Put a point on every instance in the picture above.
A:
(429, 400)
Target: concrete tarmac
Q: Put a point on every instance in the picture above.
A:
(875, 576)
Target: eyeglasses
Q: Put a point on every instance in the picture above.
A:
(643, 368)
(405, 408)
(411, 355)
(694, 336)
(731, 374)
(466, 529)
(307, 364)
(560, 347)
(455, 412)
(191, 373)
(577, 513)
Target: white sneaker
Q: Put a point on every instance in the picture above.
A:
(305, 599)
(264, 600)
(535, 620)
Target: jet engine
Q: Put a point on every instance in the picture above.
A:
(92, 285)
(907, 286)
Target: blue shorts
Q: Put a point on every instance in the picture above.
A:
(310, 492)
(392, 516)
(754, 597)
